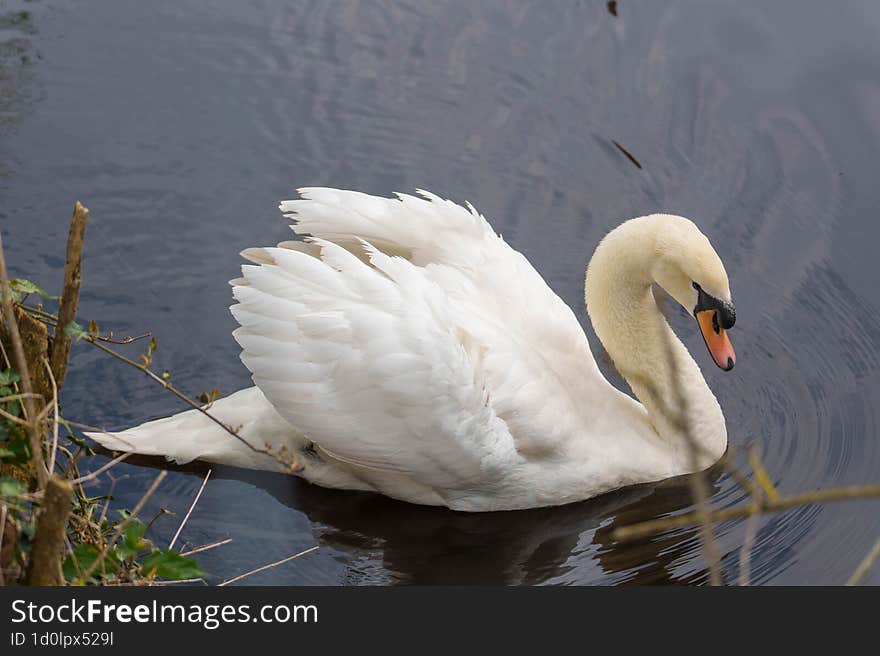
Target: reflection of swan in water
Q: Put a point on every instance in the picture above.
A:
(390, 541)
(379, 540)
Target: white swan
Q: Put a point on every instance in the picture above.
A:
(405, 348)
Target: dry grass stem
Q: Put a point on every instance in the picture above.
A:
(2, 535)
(206, 547)
(189, 512)
(93, 475)
(697, 479)
(269, 566)
(54, 451)
(858, 577)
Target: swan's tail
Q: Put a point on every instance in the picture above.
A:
(191, 435)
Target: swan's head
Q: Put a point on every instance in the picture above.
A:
(689, 269)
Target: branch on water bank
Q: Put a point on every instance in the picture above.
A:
(290, 464)
(21, 368)
(70, 291)
(45, 562)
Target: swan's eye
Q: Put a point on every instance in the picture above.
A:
(726, 311)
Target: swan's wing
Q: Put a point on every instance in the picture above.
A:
(408, 337)
(365, 362)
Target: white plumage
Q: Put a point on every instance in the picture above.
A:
(405, 348)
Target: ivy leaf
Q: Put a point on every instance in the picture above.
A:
(9, 377)
(133, 540)
(15, 447)
(74, 331)
(168, 564)
(11, 488)
(85, 555)
(22, 286)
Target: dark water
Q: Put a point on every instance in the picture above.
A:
(181, 124)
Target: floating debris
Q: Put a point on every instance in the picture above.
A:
(627, 153)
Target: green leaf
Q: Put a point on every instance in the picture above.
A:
(171, 565)
(74, 331)
(23, 286)
(9, 377)
(6, 453)
(16, 444)
(85, 555)
(13, 408)
(11, 488)
(133, 540)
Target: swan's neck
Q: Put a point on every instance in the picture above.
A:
(656, 365)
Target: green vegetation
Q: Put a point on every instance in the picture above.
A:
(51, 530)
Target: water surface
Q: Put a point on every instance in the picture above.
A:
(181, 124)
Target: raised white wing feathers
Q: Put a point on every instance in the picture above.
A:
(391, 337)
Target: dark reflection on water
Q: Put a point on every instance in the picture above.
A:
(181, 125)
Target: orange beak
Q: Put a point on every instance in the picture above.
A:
(716, 338)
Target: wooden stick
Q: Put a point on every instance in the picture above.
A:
(70, 292)
(45, 565)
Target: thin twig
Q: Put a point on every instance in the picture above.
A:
(88, 427)
(54, 451)
(206, 547)
(106, 507)
(94, 340)
(745, 552)
(183, 397)
(101, 470)
(765, 489)
(18, 397)
(858, 577)
(697, 479)
(23, 372)
(15, 420)
(122, 525)
(761, 475)
(2, 532)
(653, 526)
(51, 320)
(177, 582)
(265, 567)
(189, 512)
